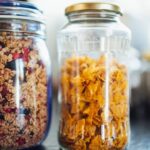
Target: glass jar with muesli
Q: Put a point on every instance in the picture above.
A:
(25, 76)
(94, 84)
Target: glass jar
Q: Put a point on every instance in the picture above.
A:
(94, 89)
(25, 76)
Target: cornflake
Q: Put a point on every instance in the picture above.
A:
(94, 104)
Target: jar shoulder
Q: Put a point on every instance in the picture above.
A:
(99, 27)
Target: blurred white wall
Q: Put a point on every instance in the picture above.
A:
(54, 12)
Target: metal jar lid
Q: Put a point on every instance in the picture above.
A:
(20, 10)
(93, 7)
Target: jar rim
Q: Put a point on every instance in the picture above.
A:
(21, 10)
(80, 7)
(20, 4)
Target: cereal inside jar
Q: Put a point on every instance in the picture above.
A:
(24, 80)
(94, 83)
(87, 120)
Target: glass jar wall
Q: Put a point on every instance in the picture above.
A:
(25, 76)
(94, 89)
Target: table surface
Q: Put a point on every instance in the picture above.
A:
(140, 134)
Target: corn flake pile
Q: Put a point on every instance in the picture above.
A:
(94, 113)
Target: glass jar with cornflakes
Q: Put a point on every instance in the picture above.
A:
(94, 85)
(25, 76)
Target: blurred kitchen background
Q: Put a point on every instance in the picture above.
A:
(137, 18)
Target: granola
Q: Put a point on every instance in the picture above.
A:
(94, 113)
(23, 92)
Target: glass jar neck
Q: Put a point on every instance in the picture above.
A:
(89, 16)
(22, 27)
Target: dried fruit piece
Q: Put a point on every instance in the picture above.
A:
(4, 91)
(16, 56)
(26, 54)
(9, 110)
(21, 141)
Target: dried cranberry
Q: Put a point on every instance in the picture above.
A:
(27, 117)
(30, 70)
(10, 110)
(7, 53)
(4, 91)
(26, 50)
(25, 58)
(20, 141)
(3, 102)
(2, 135)
(17, 55)
(26, 54)
(1, 121)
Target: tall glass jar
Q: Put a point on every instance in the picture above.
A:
(94, 92)
(25, 76)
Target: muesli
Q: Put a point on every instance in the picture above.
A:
(23, 92)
